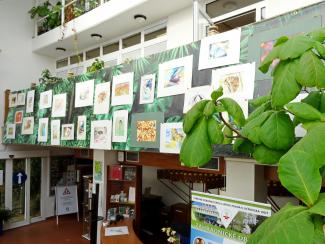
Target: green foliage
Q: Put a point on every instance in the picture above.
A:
(267, 155)
(304, 111)
(96, 65)
(313, 99)
(217, 93)
(193, 115)
(295, 47)
(257, 102)
(215, 131)
(243, 146)
(234, 110)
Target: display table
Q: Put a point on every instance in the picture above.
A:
(131, 238)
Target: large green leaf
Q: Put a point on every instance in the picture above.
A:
(291, 225)
(319, 207)
(313, 99)
(267, 155)
(217, 93)
(300, 175)
(320, 49)
(295, 47)
(285, 87)
(243, 146)
(318, 35)
(319, 236)
(260, 100)
(304, 111)
(215, 131)
(193, 115)
(234, 110)
(280, 41)
(274, 54)
(310, 71)
(261, 109)
(278, 131)
(196, 149)
(322, 103)
(227, 134)
(209, 109)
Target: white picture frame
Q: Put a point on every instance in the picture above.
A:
(55, 132)
(59, 105)
(43, 124)
(27, 126)
(45, 99)
(220, 49)
(194, 95)
(84, 94)
(19, 115)
(120, 126)
(101, 134)
(82, 127)
(12, 100)
(171, 137)
(67, 132)
(102, 98)
(30, 101)
(21, 98)
(175, 76)
(122, 89)
(147, 89)
(11, 131)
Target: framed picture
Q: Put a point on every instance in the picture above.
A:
(67, 132)
(98, 173)
(101, 133)
(145, 129)
(28, 126)
(21, 99)
(236, 81)
(147, 89)
(120, 126)
(102, 98)
(12, 100)
(11, 131)
(59, 105)
(19, 117)
(194, 95)
(84, 94)
(55, 132)
(122, 89)
(30, 101)
(43, 124)
(171, 137)
(82, 127)
(220, 49)
(45, 99)
(175, 76)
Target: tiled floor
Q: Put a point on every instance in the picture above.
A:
(47, 232)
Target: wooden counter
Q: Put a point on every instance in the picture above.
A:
(131, 238)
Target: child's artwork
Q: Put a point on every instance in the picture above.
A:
(19, 117)
(102, 97)
(28, 126)
(21, 98)
(67, 132)
(196, 94)
(147, 89)
(45, 99)
(55, 132)
(175, 76)
(82, 127)
(59, 105)
(101, 133)
(146, 130)
(84, 94)
(120, 126)
(220, 49)
(11, 131)
(98, 167)
(12, 100)
(30, 101)
(171, 137)
(122, 89)
(43, 124)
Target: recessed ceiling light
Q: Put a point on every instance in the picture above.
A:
(60, 49)
(96, 36)
(230, 5)
(140, 18)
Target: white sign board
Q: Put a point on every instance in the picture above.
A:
(66, 200)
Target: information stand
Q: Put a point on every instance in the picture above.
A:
(66, 201)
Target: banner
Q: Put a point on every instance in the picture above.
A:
(66, 200)
(218, 219)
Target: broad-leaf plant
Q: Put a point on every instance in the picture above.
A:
(268, 135)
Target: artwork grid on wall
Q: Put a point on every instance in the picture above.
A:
(194, 95)
(55, 132)
(43, 124)
(12, 100)
(67, 132)
(84, 94)
(147, 89)
(122, 89)
(30, 101)
(82, 127)
(102, 98)
(171, 137)
(28, 126)
(101, 134)
(45, 99)
(21, 98)
(59, 105)
(120, 126)
(19, 117)
(11, 131)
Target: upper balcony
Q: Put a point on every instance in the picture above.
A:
(71, 24)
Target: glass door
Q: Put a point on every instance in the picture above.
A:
(35, 189)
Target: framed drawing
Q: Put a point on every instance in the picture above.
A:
(122, 89)
(45, 99)
(84, 94)
(55, 132)
(194, 95)
(147, 89)
(11, 131)
(18, 117)
(43, 124)
(175, 76)
(67, 132)
(220, 49)
(21, 99)
(120, 126)
(171, 137)
(102, 98)
(59, 105)
(101, 133)
(12, 100)
(28, 126)
(30, 101)
(145, 129)
(82, 127)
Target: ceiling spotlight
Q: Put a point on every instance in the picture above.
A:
(140, 18)
(96, 36)
(60, 49)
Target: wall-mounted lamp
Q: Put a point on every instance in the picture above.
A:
(96, 36)
(140, 18)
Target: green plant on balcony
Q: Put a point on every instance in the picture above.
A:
(268, 134)
(96, 65)
(48, 78)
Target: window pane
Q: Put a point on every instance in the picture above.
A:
(157, 48)
(110, 63)
(94, 53)
(237, 21)
(18, 192)
(61, 63)
(2, 186)
(155, 34)
(76, 58)
(110, 48)
(131, 55)
(131, 40)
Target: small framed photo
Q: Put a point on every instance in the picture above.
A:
(19, 117)
(45, 99)
(28, 126)
(120, 126)
(67, 132)
(122, 89)
(21, 98)
(101, 134)
(84, 94)
(171, 137)
(43, 126)
(147, 89)
(102, 98)
(11, 131)
(55, 132)
(82, 127)
(59, 105)
(12, 100)
(30, 101)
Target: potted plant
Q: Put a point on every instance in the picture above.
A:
(46, 77)
(268, 135)
(96, 65)
(5, 215)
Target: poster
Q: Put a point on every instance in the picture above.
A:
(98, 167)
(120, 126)
(171, 137)
(66, 199)
(43, 129)
(30, 101)
(55, 132)
(218, 219)
(147, 89)
(102, 97)
(59, 105)
(101, 134)
(122, 89)
(45, 99)
(84, 94)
